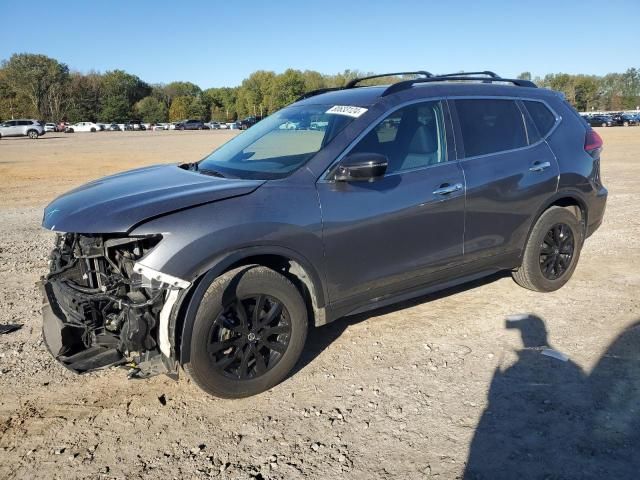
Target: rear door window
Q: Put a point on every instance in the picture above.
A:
(541, 115)
(490, 126)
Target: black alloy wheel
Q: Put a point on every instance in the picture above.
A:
(249, 337)
(556, 251)
(247, 334)
(552, 250)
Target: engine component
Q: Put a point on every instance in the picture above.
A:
(98, 310)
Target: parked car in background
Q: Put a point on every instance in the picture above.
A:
(599, 120)
(190, 125)
(223, 126)
(22, 128)
(159, 126)
(112, 127)
(248, 122)
(223, 265)
(50, 127)
(213, 125)
(84, 127)
(624, 119)
(136, 125)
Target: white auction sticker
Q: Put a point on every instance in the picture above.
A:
(347, 110)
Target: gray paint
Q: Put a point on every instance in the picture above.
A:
(359, 243)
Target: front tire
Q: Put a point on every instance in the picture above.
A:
(32, 134)
(552, 251)
(249, 332)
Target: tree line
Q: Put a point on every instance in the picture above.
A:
(37, 86)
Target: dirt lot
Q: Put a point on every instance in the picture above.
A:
(399, 393)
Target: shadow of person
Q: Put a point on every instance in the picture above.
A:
(536, 414)
(612, 444)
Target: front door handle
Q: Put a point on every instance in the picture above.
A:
(446, 189)
(539, 166)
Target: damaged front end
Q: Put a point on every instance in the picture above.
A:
(103, 308)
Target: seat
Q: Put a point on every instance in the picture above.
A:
(423, 149)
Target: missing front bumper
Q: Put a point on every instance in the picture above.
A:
(64, 340)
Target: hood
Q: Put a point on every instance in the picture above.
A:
(117, 203)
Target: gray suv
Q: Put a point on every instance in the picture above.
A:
(221, 266)
(21, 128)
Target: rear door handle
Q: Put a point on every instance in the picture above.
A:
(446, 189)
(539, 166)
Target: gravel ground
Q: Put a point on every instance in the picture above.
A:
(425, 389)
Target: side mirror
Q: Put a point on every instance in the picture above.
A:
(361, 167)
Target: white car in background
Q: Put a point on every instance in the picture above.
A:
(49, 127)
(160, 126)
(84, 127)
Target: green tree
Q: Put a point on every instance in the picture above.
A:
(120, 91)
(222, 103)
(151, 110)
(287, 87)
(256, 94)
(83, 97)
(184, 107)
(179, 108)
(313, 80)
(181, 89)
(115, 108)
(38, 79)
(587, 92)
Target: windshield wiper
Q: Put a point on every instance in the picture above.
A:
(195, 167)
(208, 171)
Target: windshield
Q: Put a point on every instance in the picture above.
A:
(277, 145)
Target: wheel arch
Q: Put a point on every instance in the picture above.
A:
(292, 265)
(568, 199)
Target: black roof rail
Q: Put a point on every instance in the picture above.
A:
(488, 73)
(356, 81)
(396, 87)
(313, 93)
(353, 83)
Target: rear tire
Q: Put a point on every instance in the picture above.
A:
(249, 332)
(93, 130)
(604, 124)
(32, 134)
(552, 251)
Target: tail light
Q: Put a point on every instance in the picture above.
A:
(592, 143)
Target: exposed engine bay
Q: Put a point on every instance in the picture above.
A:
(101, 311)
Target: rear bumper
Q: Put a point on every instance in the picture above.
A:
(596, 211)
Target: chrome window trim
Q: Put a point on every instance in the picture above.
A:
(324, 177)
(514, 99)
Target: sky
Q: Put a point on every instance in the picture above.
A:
(216, 44)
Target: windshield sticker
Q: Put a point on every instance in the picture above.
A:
(347, 110)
